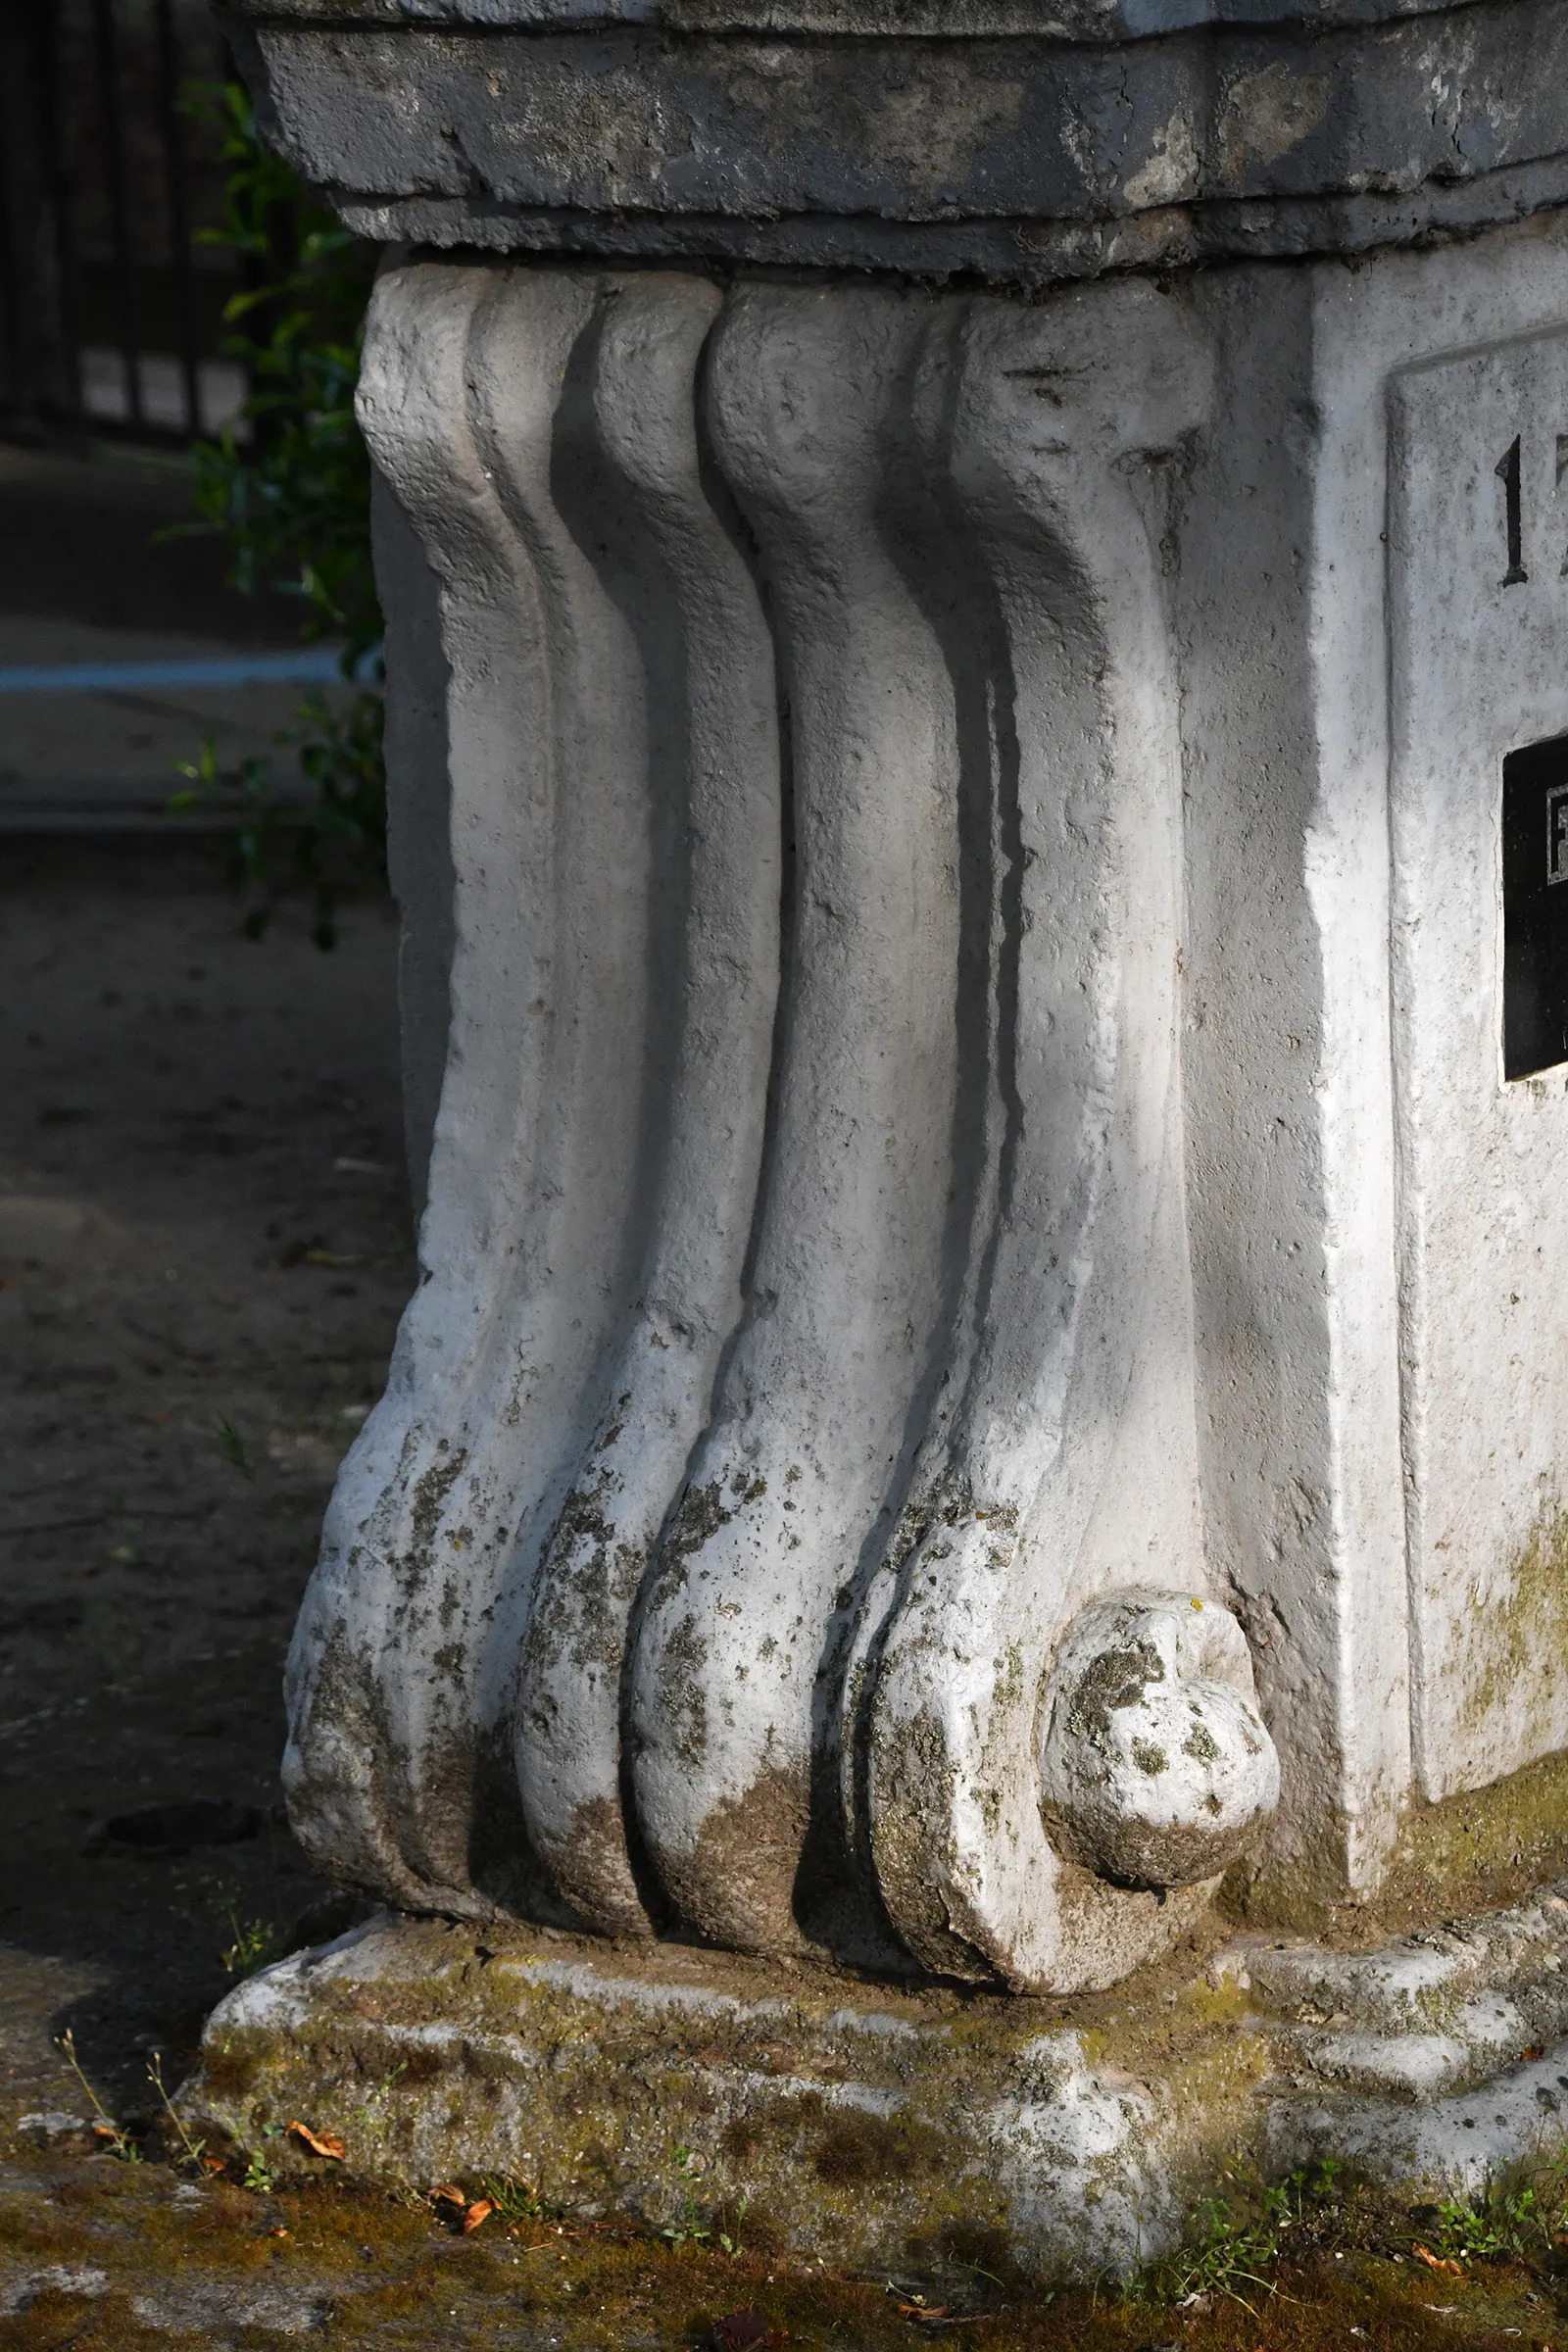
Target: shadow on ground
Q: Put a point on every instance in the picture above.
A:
(204, 1249)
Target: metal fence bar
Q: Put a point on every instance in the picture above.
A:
(171, 129)
(62, 211)
(38, 386)
(114, 153)
(104, 180)
(12, 379)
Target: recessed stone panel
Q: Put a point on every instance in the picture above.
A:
(1478, 606)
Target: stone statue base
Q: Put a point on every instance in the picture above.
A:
(782, 2103)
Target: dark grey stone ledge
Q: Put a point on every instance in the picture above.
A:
(1014, 158)
(998, 253)
(941, 20)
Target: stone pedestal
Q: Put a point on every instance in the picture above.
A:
(885, 2128)
(979, 752)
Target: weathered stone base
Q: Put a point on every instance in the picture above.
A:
(870, 2126)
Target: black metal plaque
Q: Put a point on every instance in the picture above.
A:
(1535, 907)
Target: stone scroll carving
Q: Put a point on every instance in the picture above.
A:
(797, 1407)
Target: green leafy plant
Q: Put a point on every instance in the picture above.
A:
(1500, 2220)
(732, 2245)
(1237, 2238)
(691, 2228)
(287, 486)
(1227, 2254)
(261, 2173)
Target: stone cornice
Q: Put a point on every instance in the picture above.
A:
(1011, 159)
(934, 19)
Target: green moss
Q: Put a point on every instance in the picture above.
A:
(857, 2147)
(1517, 1647)
(231, 2064)
(1337, 2268)
(1479, 1847)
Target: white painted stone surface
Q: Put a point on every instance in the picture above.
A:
(972, 1107)
(1156, 1769)
(1327, 1326)
(1416, 1368)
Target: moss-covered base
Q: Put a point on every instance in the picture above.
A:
(862, 2123)
(871, 2127)
(1474, 1849)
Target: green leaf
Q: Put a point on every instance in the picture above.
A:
(292, 501)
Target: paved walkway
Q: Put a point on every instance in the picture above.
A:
(94, 723)
(87, 585)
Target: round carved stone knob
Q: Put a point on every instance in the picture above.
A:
(1155, 1768)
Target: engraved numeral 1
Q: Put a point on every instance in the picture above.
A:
(1507, 472)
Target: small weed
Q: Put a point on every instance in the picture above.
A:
(690, 2230)
(254, 1942)
(1510, 2216)
(115, 2138)
(1468, 2233)
(191, 2151)
(515, 2201)
(1235, 2239)
(1225, 2255)
(231, 1446)
(732, 2246)
(260, 2175)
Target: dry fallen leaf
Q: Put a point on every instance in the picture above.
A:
(1435, 2262)
(922, 2310)
(320, 2144)
(1536, 2049)
(447, 2195)
(743, 2332)
(480, 2211)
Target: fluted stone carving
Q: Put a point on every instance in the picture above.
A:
(804, 1340)
(956, 1142)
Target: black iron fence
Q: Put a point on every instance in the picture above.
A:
(111, 302)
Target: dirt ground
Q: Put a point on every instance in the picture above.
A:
(203, 1222)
